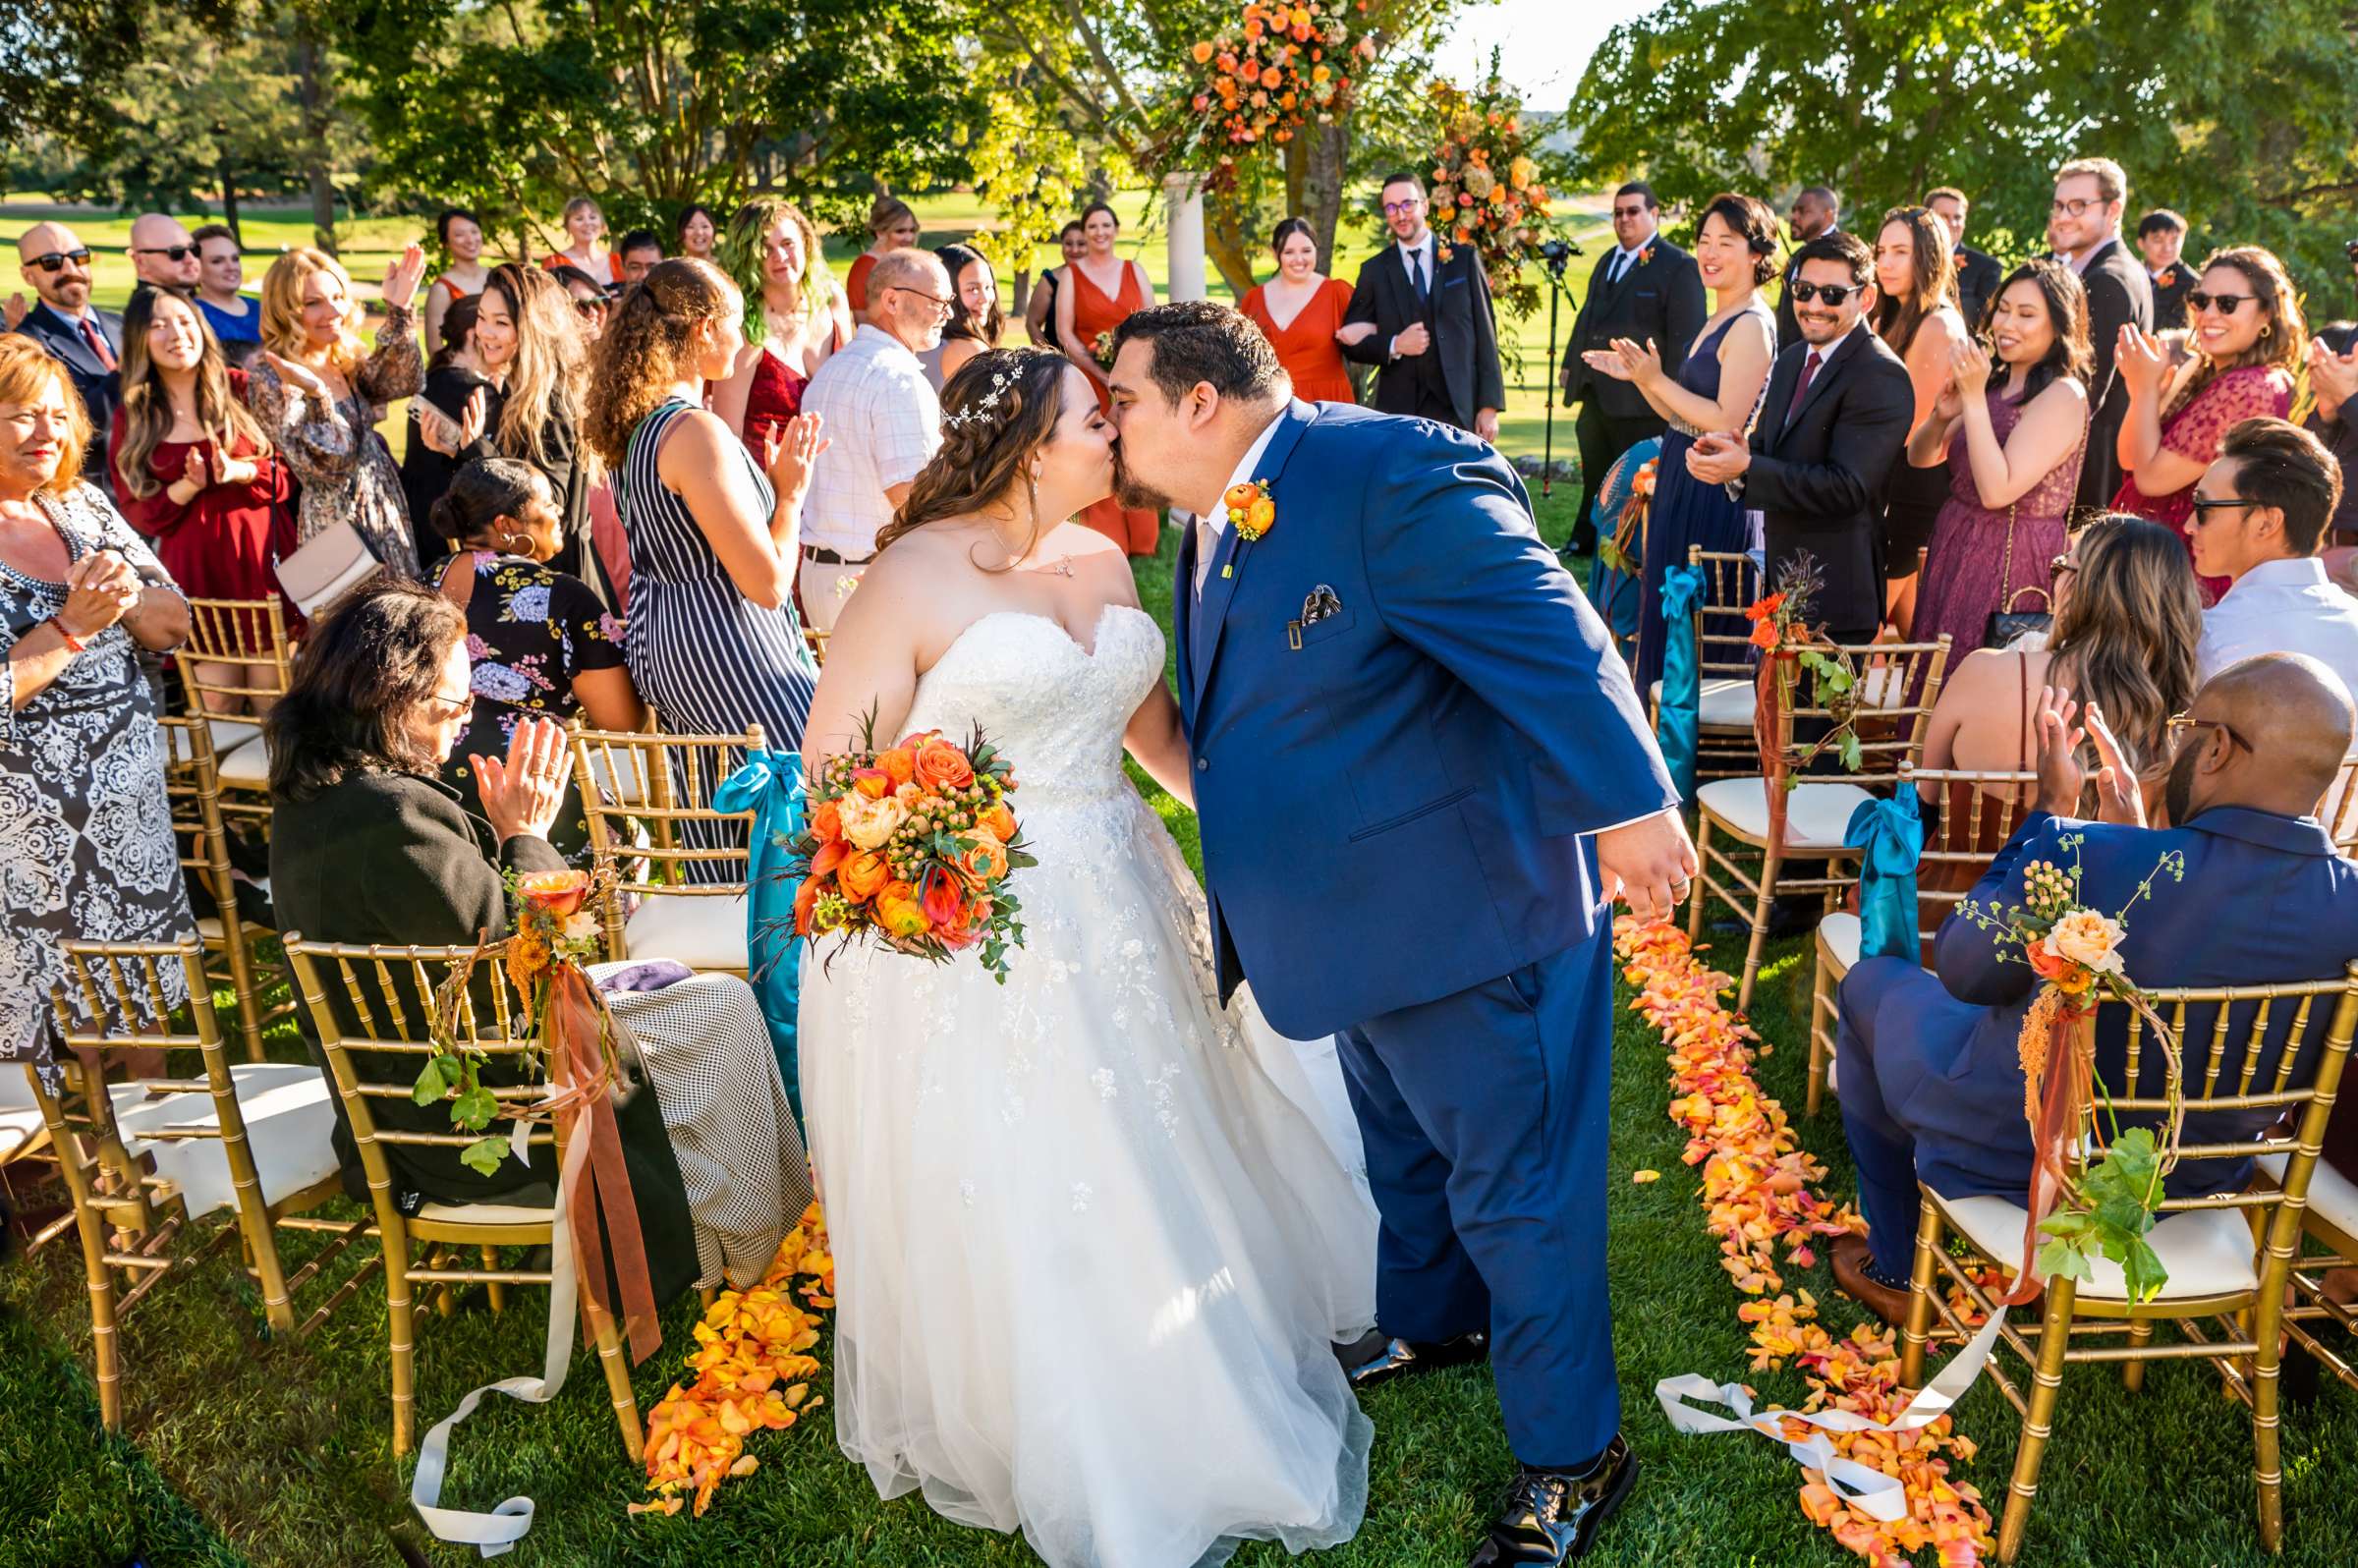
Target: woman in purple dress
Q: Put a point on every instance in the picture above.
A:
(2013, 442)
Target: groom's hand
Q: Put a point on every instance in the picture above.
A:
(1651, 863)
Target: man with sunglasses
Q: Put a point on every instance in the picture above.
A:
(1931, 1082)
(2260, 515)
(2084, 223)
(163, 253)
(85, 340)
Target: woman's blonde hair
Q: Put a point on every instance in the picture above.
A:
(2283, 340)
(740, 257)
(548, 378)
(645, 347)
(282, 327)
(27, 372)
(148, 407)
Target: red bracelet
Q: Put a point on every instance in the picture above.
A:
(73, 642)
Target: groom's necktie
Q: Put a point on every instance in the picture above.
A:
(1208, 544)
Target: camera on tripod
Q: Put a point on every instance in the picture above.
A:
(1558, 254)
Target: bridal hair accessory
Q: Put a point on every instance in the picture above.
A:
(980, 409)
(1251, 511)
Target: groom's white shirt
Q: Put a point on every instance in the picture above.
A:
(1209, 528)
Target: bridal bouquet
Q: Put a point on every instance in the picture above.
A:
(915, 846)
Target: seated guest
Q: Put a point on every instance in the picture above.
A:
(976, 322)
(639, 251)
(368, 844)
(2333, 418)
(163, 255)
(542, 644)
(2260, 515)
(221, 276)
(1931, 1085)
(2162, 235)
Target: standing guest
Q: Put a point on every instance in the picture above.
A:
(592, 302)
(2260, 515)
(584, 223)
(461, 234)
(321, 397)
(1915, 279)
(1718, 386)
(235, 320)
(697, 230)
(195, 467)
(85, 340)
(2247, 340)
(2333, 418)
(87, 835)
(976, 322)
(793, 316)
(2162, 235)
(1831, 426)
(2083, 222)
(1817, 212)
(714, 641)
(1646, 292)
(1039, 312)
(891, 226)
(2012, 444)
(449, 417)
(883, 423)
(1301, 310)
(639, 250)
(541, 643)
(1978, 272)
(1435, 342)
(163, 255)
(1099, 292)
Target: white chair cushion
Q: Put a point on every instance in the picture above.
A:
(1839, 931)
(626, 791)
(1883, 686)
(485, 1213)
(229, 734)
(2331, 1195)
(703, 933)
(2208, 1252)
(1815, 815)
(289, 1124)
(249, 765)
(1725, 703)
(20, 1125)
(16, 1086)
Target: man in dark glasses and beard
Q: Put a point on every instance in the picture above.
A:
(70, 329)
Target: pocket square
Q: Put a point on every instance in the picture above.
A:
(1321, 604)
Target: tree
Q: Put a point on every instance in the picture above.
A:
(2236, 112)
(64, 57)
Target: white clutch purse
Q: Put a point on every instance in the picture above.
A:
(329, 565)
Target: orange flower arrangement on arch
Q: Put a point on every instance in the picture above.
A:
(1280, 68)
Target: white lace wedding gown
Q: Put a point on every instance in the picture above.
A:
(1090, 1246)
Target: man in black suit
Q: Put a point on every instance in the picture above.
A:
(1813, 216)
(87, 340)
(1833, 422)
(1648, 291)
(2084, 222)
(1978, 272)
(2162, 238)
(1435, 342)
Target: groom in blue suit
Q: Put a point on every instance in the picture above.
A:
(1421, 773)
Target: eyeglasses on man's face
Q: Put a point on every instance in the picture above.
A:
(1403, 207)
(2183, 725)
(1637, 211)
(941, 306)
(2072, 206)
(59, 260)
(170, 252)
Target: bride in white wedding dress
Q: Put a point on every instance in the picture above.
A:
(1092, 1248)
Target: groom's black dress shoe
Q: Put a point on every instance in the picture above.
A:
(1551, 1515)
(1397, 1357)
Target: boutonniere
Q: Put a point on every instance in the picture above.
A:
(1251, 509)
(1442, 251)
(1645, 256)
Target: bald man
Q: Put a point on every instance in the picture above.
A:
(163, 253)
(87, 340)
(1932, 1089)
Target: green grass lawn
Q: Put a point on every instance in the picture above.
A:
(245, 1450)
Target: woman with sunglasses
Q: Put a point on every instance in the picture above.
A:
(2245, 339)
(1099, 292)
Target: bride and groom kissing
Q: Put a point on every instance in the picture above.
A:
(1101, 1276)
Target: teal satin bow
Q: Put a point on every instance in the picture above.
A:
(770, 786)
(1680, 725)
(1891, 832)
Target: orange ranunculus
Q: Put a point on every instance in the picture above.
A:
(557, 893)
(872, 782)
(1202, 52)
(1765, 608)
(863, 876)
(986, 862)
(1271, 76)
(1252, 27)
(944, 902)
(999, 822)
(943, 767)
(1764, 635)
(826, 820)
(830, 854)
(805, 900)
(899, 914)
(900, 764)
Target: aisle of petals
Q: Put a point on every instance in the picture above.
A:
(751, 1368)
(1756, 1191)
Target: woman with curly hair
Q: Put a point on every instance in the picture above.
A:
(793, 316)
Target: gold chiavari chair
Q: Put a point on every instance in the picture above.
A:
(144, 1160)
(1971, 817)
(1724, 657)
(665, 783)
(234, 666)
(1734, 812)
(193, 790)
(371, 1006)
(2229, 1256)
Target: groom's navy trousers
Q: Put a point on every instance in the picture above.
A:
(1406, 726)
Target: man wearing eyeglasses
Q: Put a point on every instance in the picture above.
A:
(163, 255)
(1435, 342)
(85, 340)
(2084, 223)
(1648, 291)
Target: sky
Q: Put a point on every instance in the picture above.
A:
(1547, 43)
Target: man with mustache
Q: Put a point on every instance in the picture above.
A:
(84, 339)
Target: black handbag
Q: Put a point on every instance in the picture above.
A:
(2006, 624)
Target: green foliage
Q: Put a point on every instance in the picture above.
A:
(2114, 1211)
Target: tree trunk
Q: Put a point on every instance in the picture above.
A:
(1226, 242)
(1323, 197)
(229, 196)
(312, 94)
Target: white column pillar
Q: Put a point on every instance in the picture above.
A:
(1183, 196)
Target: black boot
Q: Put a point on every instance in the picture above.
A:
(1552, 1515)
(1397, 1357)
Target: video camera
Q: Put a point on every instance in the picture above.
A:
(1558, 254)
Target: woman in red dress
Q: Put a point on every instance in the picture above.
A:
(794, 317)
(1301, 311)
(893, 223)
(1100, 291)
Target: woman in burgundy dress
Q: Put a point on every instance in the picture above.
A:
(193, 468)
(2245, 338)
(1314, 304)
(794, 317)
(1099, 292)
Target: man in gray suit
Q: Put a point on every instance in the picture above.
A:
(2084, 222)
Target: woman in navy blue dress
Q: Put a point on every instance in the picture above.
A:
(1718, 387)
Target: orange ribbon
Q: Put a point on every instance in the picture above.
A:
(1773, 682)
(585, 1107)
(2065, 1083)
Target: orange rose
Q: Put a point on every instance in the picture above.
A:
(827, 821)
(2045, 965)
(558, 893)
(872, 782)
(943, 767)
(805, 900)
(1764, 635)
(1202, 52)
(863, 876)
(999, 822)
(914, 741)
(986, 862)
(1271, 77)
(899, 764)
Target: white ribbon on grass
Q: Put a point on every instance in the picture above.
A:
(1870, 1490)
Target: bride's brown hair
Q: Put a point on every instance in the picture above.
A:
(1000, 408)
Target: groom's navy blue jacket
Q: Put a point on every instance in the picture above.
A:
(1393, 797)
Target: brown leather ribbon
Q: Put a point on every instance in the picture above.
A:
(2063, 1090)
(1778, 667)
(585, 1107)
